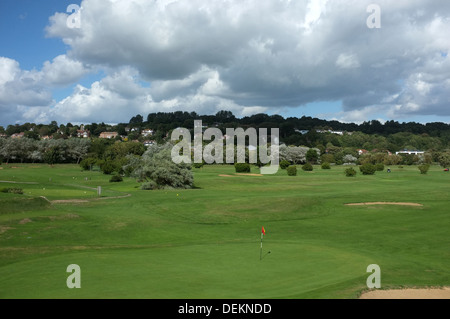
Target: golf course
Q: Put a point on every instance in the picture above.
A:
(205, 242)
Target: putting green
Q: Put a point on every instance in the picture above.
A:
(228, 270)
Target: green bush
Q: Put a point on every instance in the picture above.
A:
(327, 158)
(108, 167)
(368, 169)
(284, 164)
(198, 165)
(379, 167)
(87, 163)
(116, 179)
(424, 168)
(326, 165)
(312, 156)
(350, 172)
(151, 185)
(12, 190)
(292, 170)
(242, 167)
(307, 167)
(158, 171)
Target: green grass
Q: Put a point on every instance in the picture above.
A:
(204, 242)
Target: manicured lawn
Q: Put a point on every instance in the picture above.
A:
(204, 242)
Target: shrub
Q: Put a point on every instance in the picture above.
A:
(326, 165)
(350, 172)
(379, 167)
(312, 156)
(424, 168)
(367, 169)
(157, 169)
(444, 159)
(198, 165)
(284, 164)
(242, 167)
(116, 179)
(327, 158)
(307, 167)
(349, 159)
(87, 163)
(151, 185)
(108, 167)
(12, 190)
(292, 170)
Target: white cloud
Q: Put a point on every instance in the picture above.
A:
(119, 96)
(347, 61)
(8, 70)
(247, 56)
(19, 87)
(63, 71)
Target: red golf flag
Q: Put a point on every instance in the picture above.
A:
(263, 231)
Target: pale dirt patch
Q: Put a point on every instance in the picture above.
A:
(4, 229)
(25, 221)
(428, 293)
(64, 217)
(240, 174)
(117, 226)
(12, 182)
(82, 201)
(69, 201)
(384, 203)
(246, 174)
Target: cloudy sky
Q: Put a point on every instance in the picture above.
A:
(113, 59)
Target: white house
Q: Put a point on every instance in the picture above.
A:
(410, 152)
(146, 133)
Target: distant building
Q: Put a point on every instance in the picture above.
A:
(146, 133)
(131, 129)
(109, 135)
(18, 135)
(83, 133)
(149, 143)
(330, 131)
(362, 151)
(410, 152)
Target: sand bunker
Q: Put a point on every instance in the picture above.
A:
(438, 293)
(384, 203)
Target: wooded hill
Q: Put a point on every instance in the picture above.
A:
(306, 131)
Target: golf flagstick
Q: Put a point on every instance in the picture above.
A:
(263, 232)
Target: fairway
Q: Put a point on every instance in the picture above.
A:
(205, 242)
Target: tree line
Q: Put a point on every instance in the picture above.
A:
(290, 128)
(308, 132)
